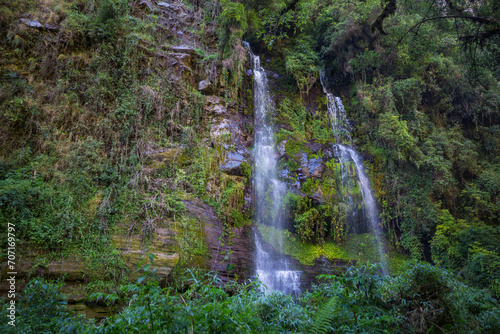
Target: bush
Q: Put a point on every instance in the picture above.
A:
(42, 309)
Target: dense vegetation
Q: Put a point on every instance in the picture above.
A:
(103, 135)
(422, 299)
(422, 91)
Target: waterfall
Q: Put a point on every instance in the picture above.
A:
(272, 268)
(367, 219)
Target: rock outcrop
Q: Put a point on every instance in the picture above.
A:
(231, 253)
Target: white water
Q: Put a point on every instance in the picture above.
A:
(348, 155)
(272, 268)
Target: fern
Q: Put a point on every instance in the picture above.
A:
(325, 316)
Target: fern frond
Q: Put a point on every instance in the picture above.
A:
(323, 322)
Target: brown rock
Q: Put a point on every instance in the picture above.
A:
(240, 261)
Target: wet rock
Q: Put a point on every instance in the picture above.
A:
(276, 76)
(37, 25)
(180, 65)
(281, 149)
(322, 265)
(232, 161)
(220, 132)
(304, 163)
(317, 197)
(228, 139)
(166, 5)
(313, 146)
(327, 153)
(239, 249)
(203, 85)
(316, 168)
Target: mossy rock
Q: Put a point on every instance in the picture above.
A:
(133, 250)
(167, 157)
(357, 248)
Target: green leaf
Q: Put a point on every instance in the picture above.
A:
(151, 257)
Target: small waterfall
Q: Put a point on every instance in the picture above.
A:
(272, 268)
(369, 220)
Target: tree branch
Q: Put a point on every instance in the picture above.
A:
(389, 9)
(471, 18)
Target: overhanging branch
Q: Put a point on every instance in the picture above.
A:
(470, 18)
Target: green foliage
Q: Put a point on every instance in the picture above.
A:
(42, 309)
(233, 23)
(472, 248)
(421, 298)
(295, 114)
(354, 247)
(46, 214)
(395, 133)
(104, 24)
(301, 61)
(433, 299)
(279, 21)
(190, 242)
(357, 305)
(281, 313)
(246, 170)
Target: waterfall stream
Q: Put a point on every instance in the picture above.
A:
(367, 219)
(272, 268)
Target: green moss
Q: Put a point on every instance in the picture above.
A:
(310, 186)
(246, 170)
(191, 243)
(357, 248)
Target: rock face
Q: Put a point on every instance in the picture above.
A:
(228, 136)
(321, 265)
(230, 256)
(215, 105)
(133, 251)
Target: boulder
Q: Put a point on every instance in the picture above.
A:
(316, 168)
(37, 25)
(203, 85)
(232, 161)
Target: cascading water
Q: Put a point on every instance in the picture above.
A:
(369, 220)
(272, 268)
